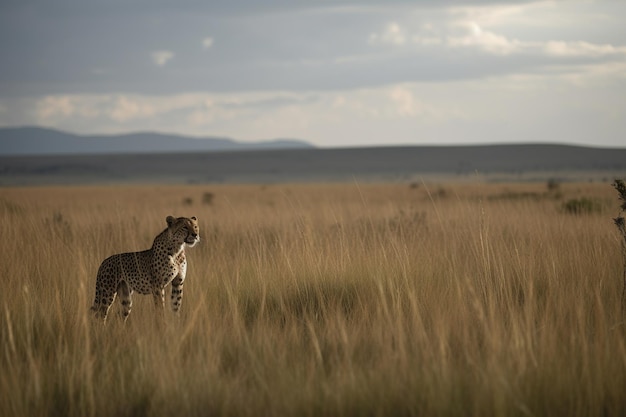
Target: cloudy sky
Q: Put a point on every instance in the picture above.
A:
(332, 72)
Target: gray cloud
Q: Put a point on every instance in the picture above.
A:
(114, 56)
(72, 46)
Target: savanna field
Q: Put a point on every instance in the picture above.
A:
(452, 299)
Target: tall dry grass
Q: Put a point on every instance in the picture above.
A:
(307, 300)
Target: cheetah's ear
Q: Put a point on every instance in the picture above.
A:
(170, 220)
(194, 218)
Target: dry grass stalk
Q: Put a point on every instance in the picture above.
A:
(317, 300)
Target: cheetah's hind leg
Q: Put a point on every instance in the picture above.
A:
(102, 303)
(124, 292)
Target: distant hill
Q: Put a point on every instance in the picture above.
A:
(40, 141)
(492, 162)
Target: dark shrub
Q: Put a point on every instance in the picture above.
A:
(582, 205)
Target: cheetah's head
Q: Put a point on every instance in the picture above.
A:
(185, 229)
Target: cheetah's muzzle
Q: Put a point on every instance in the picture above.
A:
(192, 239)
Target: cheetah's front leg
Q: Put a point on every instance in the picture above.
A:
(177, 283)
(177, 293)
(162, 279)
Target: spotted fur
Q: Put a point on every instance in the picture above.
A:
(148, 271)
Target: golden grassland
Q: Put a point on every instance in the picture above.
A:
(319, 300)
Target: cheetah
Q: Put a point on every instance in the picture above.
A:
(148, 271)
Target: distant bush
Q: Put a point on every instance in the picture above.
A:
(582, 206)
(187, 201)
(553, 185)
(207, 198)
(511, 195)
(440, 193)
(10, 207)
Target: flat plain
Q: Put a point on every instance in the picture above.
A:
(343, 299)
(517, 162)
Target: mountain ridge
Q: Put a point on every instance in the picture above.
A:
(41, 141)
